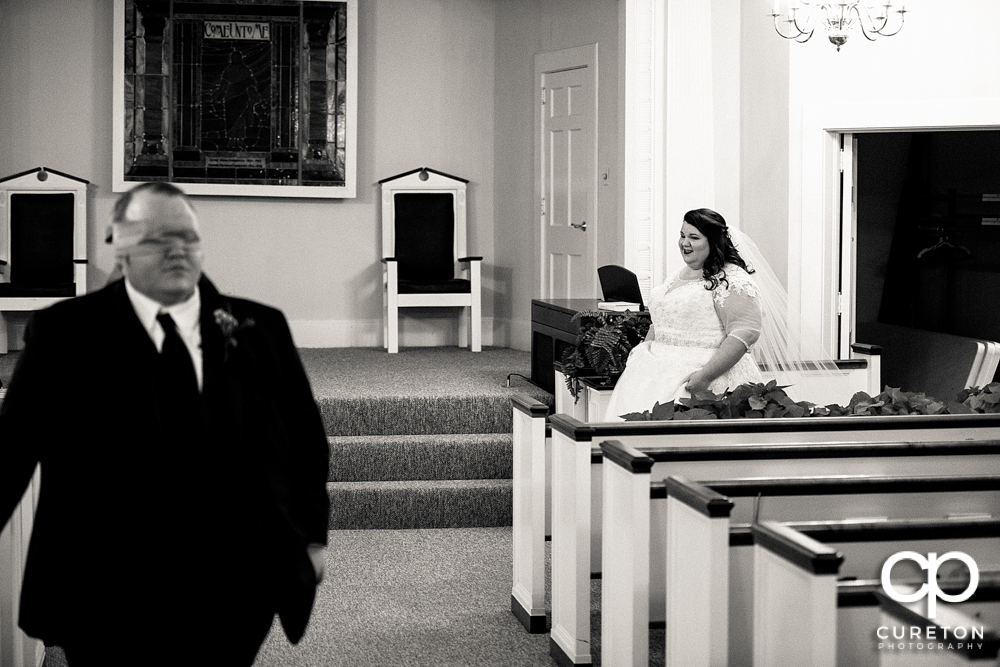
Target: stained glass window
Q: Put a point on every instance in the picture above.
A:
(238, 92)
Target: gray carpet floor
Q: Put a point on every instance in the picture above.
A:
(413, 597)
(417, 598)
(362, 372)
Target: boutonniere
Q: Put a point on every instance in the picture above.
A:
(229, 326)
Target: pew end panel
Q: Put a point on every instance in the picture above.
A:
(624, 612)
(795, 598)
(872, 355)
(529, 511)
(858, 640)
(571, 550)
(697, 627)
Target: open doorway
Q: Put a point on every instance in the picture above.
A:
(928, 231)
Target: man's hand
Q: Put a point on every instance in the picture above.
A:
(317, 554)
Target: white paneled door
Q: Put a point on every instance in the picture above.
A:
(567, 173)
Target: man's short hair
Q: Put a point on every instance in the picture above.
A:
(119, 224)
(155, 188)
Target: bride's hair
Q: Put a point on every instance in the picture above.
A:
(720, 245)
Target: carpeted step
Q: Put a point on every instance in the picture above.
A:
(420, 391)
(417, 415)
(421, 457)
(420, 504)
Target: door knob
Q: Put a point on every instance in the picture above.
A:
(582, 227)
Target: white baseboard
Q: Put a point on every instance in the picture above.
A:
(414, 331)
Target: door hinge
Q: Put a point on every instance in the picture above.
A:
(842, 160)
(842, 304)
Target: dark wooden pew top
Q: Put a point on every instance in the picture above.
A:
(586, 432)
(642, 461)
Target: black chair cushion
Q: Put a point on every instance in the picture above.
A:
(425, 236)
(453, 286)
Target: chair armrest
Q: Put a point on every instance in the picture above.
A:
(3, 262)
(386, 260)
(470, 259)
(866, 348)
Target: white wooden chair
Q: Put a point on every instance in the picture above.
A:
(424, 250)
(43, 241)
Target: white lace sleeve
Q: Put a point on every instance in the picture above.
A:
(737, 302)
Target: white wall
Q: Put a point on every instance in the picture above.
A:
(943, 66)
(941, 70)
(526, 28)
(764, 135)
(426, 70)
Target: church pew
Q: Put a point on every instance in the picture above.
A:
(861, 373)
(938, 364)
(796, 592)
(862, 605)
(699, 580)
(703, 449)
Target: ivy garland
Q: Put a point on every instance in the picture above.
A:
(769, 401)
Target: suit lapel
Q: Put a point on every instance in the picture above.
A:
(222, 388)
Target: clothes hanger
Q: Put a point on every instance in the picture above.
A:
(944, 244)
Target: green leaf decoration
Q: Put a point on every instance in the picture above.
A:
(663, 411)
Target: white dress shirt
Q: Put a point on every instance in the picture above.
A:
(186, 316)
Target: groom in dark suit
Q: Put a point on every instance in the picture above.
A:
(183, 460)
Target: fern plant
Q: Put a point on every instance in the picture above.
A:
(602, 346)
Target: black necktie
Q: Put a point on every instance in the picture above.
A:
(176, 366)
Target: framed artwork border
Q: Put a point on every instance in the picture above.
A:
(345, 191)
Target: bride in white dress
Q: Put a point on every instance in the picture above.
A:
(704, 319)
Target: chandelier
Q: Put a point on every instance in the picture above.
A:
(802, 16)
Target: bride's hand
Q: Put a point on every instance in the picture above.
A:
(696, 382)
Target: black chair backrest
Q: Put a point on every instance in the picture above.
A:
(41, 239)
(425, 235)
(620, 284)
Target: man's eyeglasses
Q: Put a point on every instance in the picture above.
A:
(167, 244)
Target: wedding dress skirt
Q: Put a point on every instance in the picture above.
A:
(687, 331)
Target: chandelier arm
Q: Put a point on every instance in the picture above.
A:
(861, 22)
(902, 18)
(797, 37)
(809, 20)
